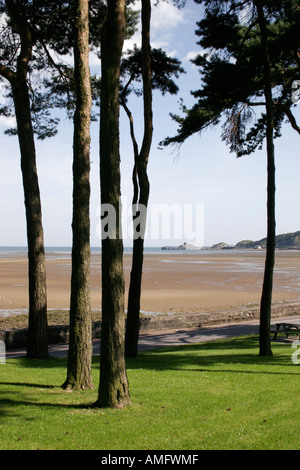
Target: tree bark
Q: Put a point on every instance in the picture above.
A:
(266, 298)
(37, 343)
(80, 337)
(113, 387)
(141, 186)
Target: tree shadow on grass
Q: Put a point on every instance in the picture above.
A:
(30, 385)
(9, 405)
(241, 351)
(48, 363)
(236, 356)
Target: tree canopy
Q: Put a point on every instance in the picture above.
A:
(51, 75)
(232, 73)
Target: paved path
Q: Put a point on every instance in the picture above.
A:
(176, 337)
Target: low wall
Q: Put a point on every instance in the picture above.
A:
(60, 333)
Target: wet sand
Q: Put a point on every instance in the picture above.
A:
(172, 282)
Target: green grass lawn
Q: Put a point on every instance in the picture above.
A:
(216, 395)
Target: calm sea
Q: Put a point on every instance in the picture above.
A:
(65, 251)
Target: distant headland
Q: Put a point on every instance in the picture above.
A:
(286, 241)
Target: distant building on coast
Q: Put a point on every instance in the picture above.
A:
(184, 246)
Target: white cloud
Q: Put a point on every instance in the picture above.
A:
(7, 121)
(166, 17)
(190, 56)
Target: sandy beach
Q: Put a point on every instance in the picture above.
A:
(179, 282)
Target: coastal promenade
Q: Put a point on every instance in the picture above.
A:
(172, 338)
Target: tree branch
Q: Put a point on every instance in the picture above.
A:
(7, 73)
(135, 150)
(258, 103)
(24, 32)
(287, 111)
(65, 77)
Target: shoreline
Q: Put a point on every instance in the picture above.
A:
(179, 290)
(173, 282)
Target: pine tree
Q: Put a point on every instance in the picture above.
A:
(113, 388)
(16, 55)
(251, 60)
(80, 336)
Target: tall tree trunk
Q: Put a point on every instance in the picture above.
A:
(113, 387)
(80, 337)
(141, 184)
(266, 298)
(37, 344)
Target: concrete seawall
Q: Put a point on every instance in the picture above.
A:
(17, 338)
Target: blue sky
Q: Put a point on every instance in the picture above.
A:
(203, 171)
